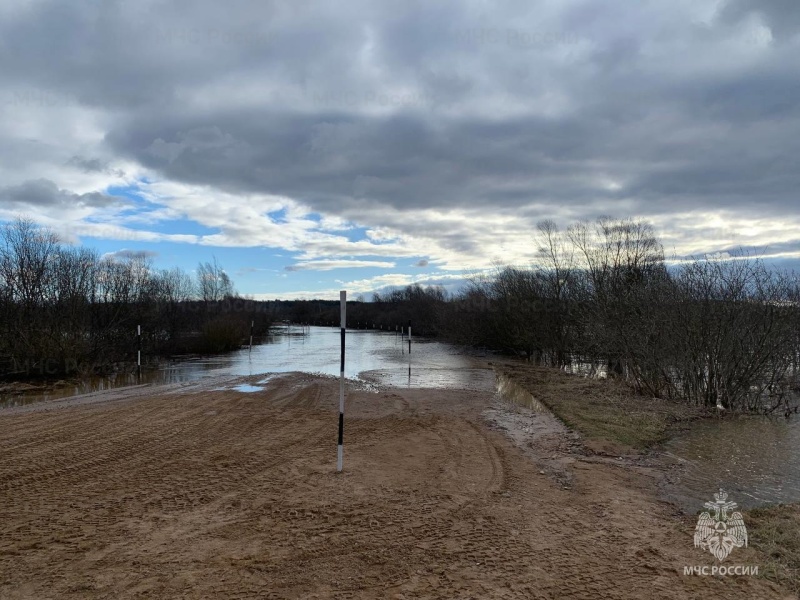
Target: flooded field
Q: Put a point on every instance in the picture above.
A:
(372, 356)
(755, 459)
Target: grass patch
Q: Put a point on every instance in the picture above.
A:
(607, 413)
(775, 532)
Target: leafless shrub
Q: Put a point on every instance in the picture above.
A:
(66, 310)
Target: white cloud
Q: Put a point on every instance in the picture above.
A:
(330, 265)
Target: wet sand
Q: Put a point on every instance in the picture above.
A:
(187, 491)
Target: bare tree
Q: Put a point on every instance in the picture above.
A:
(213, 283)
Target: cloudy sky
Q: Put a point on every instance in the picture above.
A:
(311, 145)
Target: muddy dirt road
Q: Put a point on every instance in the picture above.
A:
(191, 492)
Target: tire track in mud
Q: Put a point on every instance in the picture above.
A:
(86, 450)
(225, 495)
(140, 457)
(436, 533)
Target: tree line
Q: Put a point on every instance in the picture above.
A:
(713, 331)
(66, 310)
(386, 310)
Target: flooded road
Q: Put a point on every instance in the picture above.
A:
(371, 356)
(757, 460)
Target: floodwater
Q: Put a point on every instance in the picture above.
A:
(513, 392)
(370, 356)
(755, 459)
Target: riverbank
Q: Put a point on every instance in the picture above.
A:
(196, 490)
(608, 415)
(612, 420)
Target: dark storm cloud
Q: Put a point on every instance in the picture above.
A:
(93, 165)
(88, 165)
(527, 109)
(336, 160)
(43, 193)
(344, 164)
(126, 254)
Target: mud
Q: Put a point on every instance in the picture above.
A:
(186, 491)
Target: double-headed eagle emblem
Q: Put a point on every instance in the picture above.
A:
(721, 533)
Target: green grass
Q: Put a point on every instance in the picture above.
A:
(604, 412)
(775, 532)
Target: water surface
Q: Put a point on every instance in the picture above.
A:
(375, 356)
(511, 391)
(755, 459)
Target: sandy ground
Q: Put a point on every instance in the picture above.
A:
(192, 492)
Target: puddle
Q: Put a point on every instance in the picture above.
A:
(513, 392)
(534, 429)
(243, 388)
(247, 389)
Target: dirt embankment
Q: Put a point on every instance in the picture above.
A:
(191, 492)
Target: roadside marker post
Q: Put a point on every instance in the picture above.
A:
(139, 352)
(251, 335)
(343, 326)
(409, 349)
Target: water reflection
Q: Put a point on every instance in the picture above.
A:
(593, 369)
(513, 392)
(454, 377)
(755, 459)
(370, 355)
(244, 388)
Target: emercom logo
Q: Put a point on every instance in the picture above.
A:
(721, 533)
(719, 530)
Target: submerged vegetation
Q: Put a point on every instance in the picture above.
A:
(613, 420)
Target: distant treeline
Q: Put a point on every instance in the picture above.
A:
(715, 331)
(66, 310)
(395, 308)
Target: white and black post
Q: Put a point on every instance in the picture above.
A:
(343, 311)
(138, 351)
(409, 349)
(252, 323)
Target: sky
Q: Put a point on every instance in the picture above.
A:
(311, 146)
